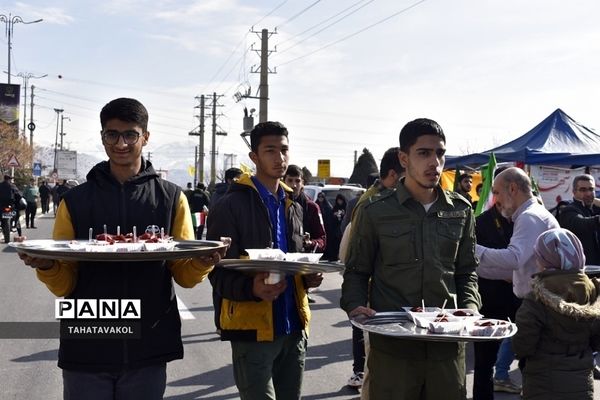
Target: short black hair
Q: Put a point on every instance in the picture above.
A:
(269, 128)
(417, 128)
(500, 169)
(294, 170)
(463, 176)
(125, 109)
(390, 160)
(232, 173)
(583, 177)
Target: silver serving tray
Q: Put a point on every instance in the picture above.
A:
(592, 270)
(287, 267)
(398, 324)
(59, 250)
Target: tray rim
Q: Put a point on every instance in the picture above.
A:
(247, 265)
(429, 337)
(183, 249)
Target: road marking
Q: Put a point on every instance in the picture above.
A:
(184, 313)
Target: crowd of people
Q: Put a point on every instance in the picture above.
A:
(405, 241)
(29, 199)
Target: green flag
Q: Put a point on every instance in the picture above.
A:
(486, 197)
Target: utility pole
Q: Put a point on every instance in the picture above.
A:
(58, 114)
(263, 88)
(31, 124)
(228, 158)
(195, 165)
(26, 76)
(228, 161)
(149, 156)
(355, 157)
(62, 133)
(213, 153)
(199, 175)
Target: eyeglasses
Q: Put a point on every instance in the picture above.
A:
(585, 189)
(112, 137)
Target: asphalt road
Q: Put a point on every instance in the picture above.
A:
(28, 366)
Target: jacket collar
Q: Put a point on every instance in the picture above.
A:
(402, 194)
(568, 293)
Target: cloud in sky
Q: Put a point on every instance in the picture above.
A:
(486, 70)
(51, 15)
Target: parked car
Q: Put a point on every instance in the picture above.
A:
(331, 191)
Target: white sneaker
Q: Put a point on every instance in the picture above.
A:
(356, 380)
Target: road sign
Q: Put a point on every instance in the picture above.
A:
(54, 175)
(31, 126)
(13, 162)
(66, 164)
(323, 170)
(37, 169)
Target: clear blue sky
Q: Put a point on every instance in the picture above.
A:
(487, 70)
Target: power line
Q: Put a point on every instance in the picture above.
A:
(355, 33)
(231, 70)
(270, 12)
(293, 17)
(156, 92)
(222, 66)
(321, 23)
(96, 102)
(225, 62)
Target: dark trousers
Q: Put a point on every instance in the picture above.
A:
(199, 232)
(498, 302)
(30, 212)
(358, 350)
(45, 204)
(147, 383)
(16, 223)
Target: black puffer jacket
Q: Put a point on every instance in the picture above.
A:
(584, 223)
(143, 200)
(242, 216)
(558, 328)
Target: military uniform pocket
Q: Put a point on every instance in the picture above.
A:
(449, 235)
(397, 243)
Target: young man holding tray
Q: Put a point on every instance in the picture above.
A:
(412, 245)
(267, 324)
(124, 191)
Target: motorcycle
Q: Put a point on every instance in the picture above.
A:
(7, 215)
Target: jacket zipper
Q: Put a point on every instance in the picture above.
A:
(126, 272)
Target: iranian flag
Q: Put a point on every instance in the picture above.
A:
(198, 218)
(486, 198)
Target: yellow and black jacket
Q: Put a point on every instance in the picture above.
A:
(143, 200)
(242, 216)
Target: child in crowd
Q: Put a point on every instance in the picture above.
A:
(558, 322)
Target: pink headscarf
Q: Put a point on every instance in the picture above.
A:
(559, 249)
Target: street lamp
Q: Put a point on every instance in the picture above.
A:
(10, 21)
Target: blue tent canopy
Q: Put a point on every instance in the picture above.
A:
(557, 140)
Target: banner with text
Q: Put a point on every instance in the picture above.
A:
(554, 183)
(9, 106)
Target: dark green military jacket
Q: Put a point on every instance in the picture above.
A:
(411, 255)
(399, 255)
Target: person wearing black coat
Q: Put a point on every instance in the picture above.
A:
(582, 217)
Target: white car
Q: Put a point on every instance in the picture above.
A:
(331, 191)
